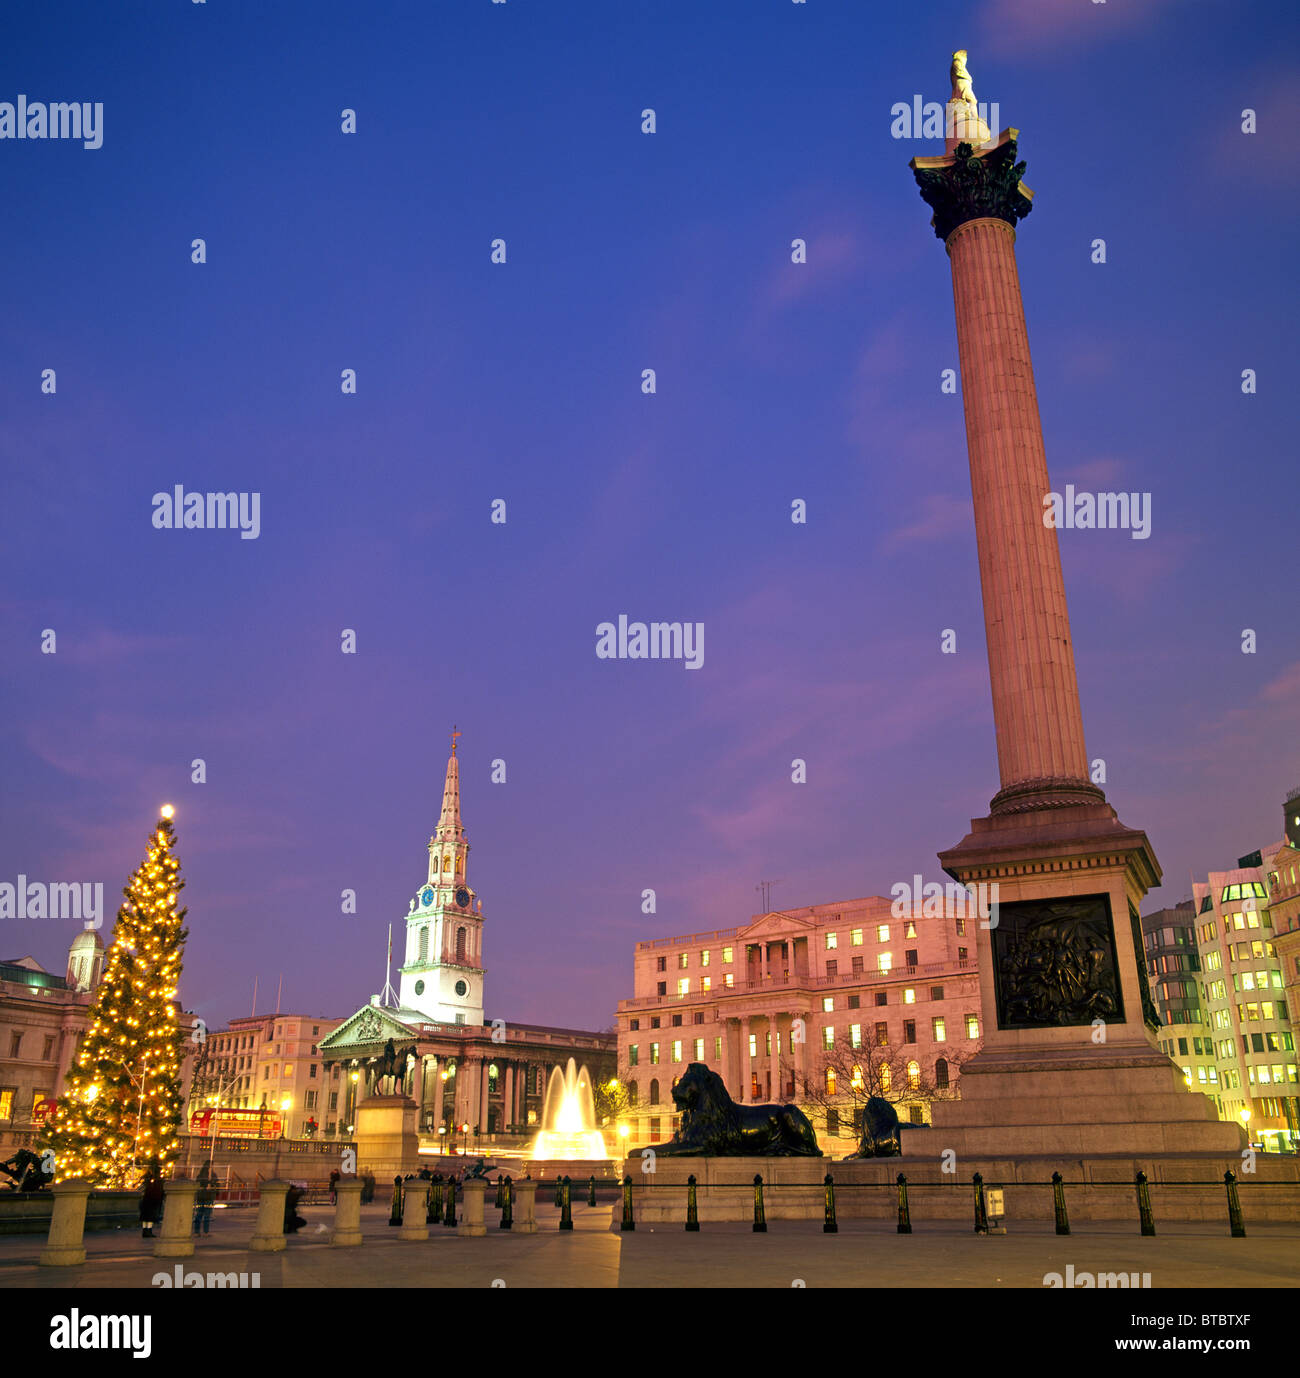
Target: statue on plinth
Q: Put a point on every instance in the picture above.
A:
(713, 1125)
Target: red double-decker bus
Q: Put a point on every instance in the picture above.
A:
(236, 1124)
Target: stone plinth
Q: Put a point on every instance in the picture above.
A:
(67, 1225)
(176, 1234)
(347, 1213)
(525, 1208)
(386, 1137)
(1184, 1187)
(268, 1235)
(472, 1221)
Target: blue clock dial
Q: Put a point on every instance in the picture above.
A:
(462, 898)
(426, 896)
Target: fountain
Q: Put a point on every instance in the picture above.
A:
(569, 1130)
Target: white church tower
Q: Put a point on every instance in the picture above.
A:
(442, 976)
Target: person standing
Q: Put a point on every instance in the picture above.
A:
(204, 1198)
(151, 1199)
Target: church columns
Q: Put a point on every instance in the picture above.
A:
(742, 1081)
(510, 1095)
(438, 1085)
(484, 1091)
(417, 1090)
(774, 1033)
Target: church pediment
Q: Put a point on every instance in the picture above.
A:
(365, 1032)
(777, 925)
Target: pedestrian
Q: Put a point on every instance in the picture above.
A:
(151, 1199)
(204, 1197)
(292, 1220)
(334, 1186)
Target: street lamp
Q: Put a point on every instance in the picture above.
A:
(285, 1106)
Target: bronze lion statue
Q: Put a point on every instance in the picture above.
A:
(882, 1130)
(714, 1125)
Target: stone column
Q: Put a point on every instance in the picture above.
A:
(417, 1092)
(415, 1225)
(525, 1208)
(347, 1213)
(775, 1059)
(472, 1220)
(468, 1072)
(438, 1086)
(63, 1245)
(176, 1234)
(742, 1072)
(485, 1094)
(1042, 760)
(268, 1236)
(509, 1101)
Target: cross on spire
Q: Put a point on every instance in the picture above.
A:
(454, 734)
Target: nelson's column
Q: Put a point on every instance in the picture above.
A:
(1068, 1064)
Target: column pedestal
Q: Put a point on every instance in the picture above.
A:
(472, 1221)
(176, 1236)
(63, 1245)
(347, 1213)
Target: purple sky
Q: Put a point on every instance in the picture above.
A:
(522, 382)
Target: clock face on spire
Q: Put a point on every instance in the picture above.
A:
(426, 896)
(462, 897)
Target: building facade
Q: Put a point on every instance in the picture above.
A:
(817, 1006)
(1174, 967)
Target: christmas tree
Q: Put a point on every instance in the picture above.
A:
(121, 1106)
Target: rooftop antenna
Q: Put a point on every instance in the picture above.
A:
(764, 887)
(278, 991)
(255, 994)
(389, 997)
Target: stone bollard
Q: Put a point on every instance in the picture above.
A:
(524, 1196)
(176, 1239)
(268, 1235)
(692, 1206)
(566, 1206)
(347, 1213)
(473, 1223)
(415, 1223)
(629, 1221)
(67, 1225)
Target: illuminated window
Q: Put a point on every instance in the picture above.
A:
(684, 985)
(832, 941)
(884, 961)
(855, 1035)
(726, 954)
(914, 1074)
(909, 996)
(7, 1103)
(828, 1004)
(972, 1026)
(699, 1050)
(882, 933)
(706, 984)
(882, 1035)
(937, 1028)
(753, 1045)
(633, 1050)
(654, 1055)
(830, 1081)
(886, 1078)
(855, 937)
(683, 961)
(828, 1037)
(909, 929)
(729, 979)
(677, 1049)
(704, 957)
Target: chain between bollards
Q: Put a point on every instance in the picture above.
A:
(1235, 1223)
(566, 1206)
(1144, 1204)
(627, 1223)
(904, 1211)
(831, 1225)
(760, 1218)
(1058, 1200)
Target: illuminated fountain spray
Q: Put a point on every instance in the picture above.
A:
(569, 1118)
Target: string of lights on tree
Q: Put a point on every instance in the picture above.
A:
(122, 1105)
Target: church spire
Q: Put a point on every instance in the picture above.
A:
(447, 846)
